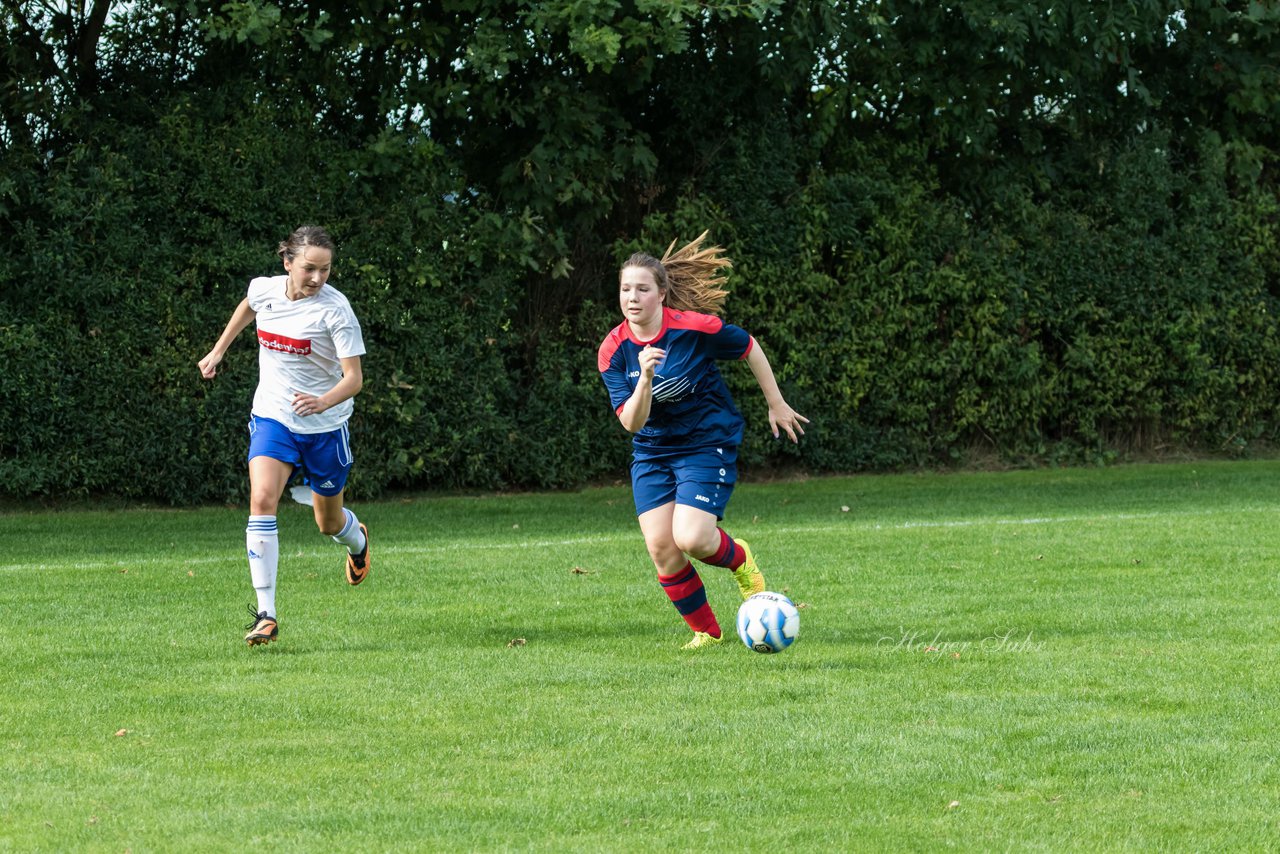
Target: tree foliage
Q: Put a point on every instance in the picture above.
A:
(1047, 231)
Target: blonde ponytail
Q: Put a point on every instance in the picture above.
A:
(691, 276)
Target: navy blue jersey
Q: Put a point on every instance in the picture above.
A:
(692, 408)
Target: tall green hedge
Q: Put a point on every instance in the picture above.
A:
(914, 330)
(952, 240)
(1074, 327)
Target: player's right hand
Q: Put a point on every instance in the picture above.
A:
(209, 365)
(650, 359)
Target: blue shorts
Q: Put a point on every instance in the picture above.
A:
(702, 479)
(325, 458)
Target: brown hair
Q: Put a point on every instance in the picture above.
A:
(692, 277)
(304, 235)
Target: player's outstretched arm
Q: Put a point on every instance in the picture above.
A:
(781, 415)
(240, 318)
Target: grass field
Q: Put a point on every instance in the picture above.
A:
(1049, 660)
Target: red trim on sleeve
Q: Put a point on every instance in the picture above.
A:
(751, 342)
(696, 321)
(609, 346)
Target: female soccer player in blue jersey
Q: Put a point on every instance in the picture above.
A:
(659, 366)
(309, 349)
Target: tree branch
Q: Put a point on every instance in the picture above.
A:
(36, 42)
(86, 38)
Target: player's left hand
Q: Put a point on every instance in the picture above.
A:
(307, 404)
(784, 417)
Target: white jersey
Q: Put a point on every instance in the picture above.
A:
(300, 343)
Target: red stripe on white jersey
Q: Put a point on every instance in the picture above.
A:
(285, 344)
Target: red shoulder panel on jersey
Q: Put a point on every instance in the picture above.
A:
(609, 346)
(696, 321)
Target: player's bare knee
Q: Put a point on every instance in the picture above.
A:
(665, 555)
(262, 505)
(694, 544)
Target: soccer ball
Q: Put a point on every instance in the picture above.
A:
(768, 622)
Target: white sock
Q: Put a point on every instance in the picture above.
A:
(351, 536)
(263, 541)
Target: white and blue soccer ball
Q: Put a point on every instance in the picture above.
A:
(768, 622)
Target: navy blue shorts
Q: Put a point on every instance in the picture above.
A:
(324, 457)
(702, 479)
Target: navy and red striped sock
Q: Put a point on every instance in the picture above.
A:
(685, 590)
(730, 555)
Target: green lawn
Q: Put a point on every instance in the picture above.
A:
(1050, 660)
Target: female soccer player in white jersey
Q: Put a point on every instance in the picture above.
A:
(659, 366)
(309, 349)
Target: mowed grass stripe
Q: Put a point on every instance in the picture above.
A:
(632, 535)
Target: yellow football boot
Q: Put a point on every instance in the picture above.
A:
(750, 579)
(702, 640)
